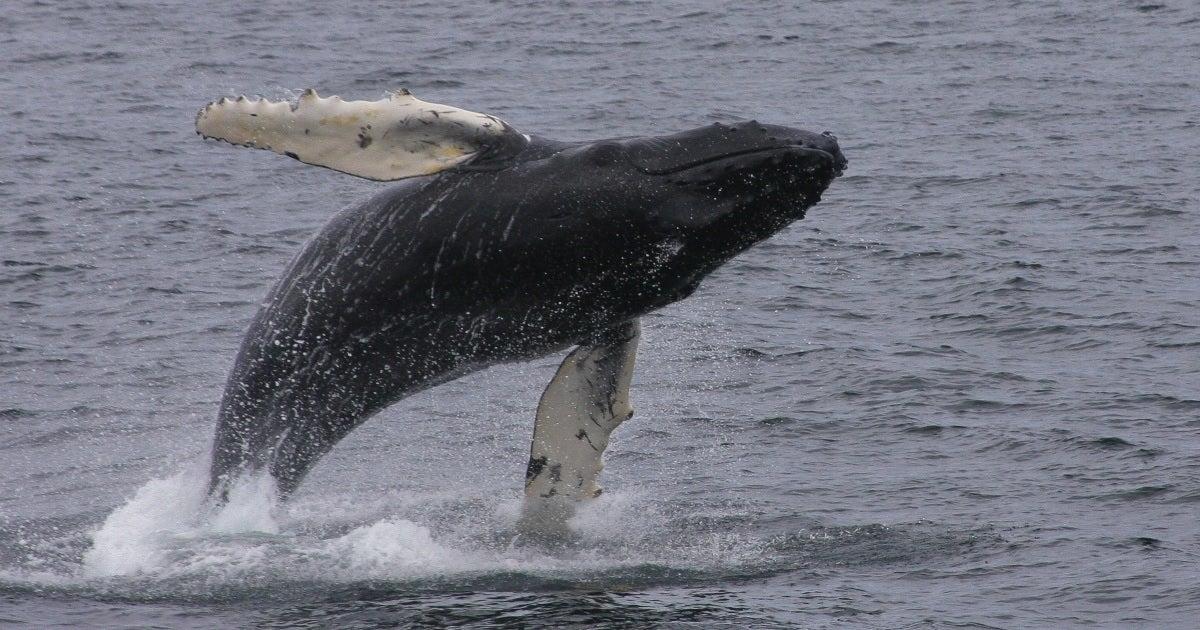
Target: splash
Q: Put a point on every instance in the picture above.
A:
(392, 548)
(170, 529)
(169, 539)
(141, 536)
(251, 507)
(131, 539)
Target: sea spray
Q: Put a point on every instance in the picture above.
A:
(171, 532)
(393, 548)
(251, 507)
(139, 536)
(131, 540)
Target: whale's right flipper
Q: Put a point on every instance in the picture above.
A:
(587, 398)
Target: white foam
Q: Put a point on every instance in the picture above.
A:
(169, 530)
(141, 535)
(394, 548)
(130, 540)
(251, 507)
(612, 513)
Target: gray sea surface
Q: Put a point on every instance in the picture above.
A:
(963, 393)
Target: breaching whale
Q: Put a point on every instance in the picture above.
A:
(498, 247)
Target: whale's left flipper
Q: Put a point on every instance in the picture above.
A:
(587, 398)
(394, 138)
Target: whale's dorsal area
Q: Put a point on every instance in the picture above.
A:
(393, 138)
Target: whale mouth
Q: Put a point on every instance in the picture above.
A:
(788, 159)
(740, 147)
(675, 168)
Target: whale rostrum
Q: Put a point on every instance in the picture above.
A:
(396, 137)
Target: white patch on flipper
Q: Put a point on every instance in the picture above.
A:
(586, 400)
(393, 138)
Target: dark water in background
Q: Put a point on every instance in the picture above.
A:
(962, 393)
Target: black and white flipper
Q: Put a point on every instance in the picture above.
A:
(393, 138)
(586, 400)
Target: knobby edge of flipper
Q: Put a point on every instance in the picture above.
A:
(396, 137)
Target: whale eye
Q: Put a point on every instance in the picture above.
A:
(606, 153)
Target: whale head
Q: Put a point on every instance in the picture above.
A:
(702, 195)
(748, 177)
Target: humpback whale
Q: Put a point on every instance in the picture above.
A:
(496, 247)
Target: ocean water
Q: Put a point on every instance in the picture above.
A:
(963, 393)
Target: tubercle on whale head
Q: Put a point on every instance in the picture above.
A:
(739, 184)
(694, 152)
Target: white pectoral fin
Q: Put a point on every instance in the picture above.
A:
(587, 398)
(393, 138)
